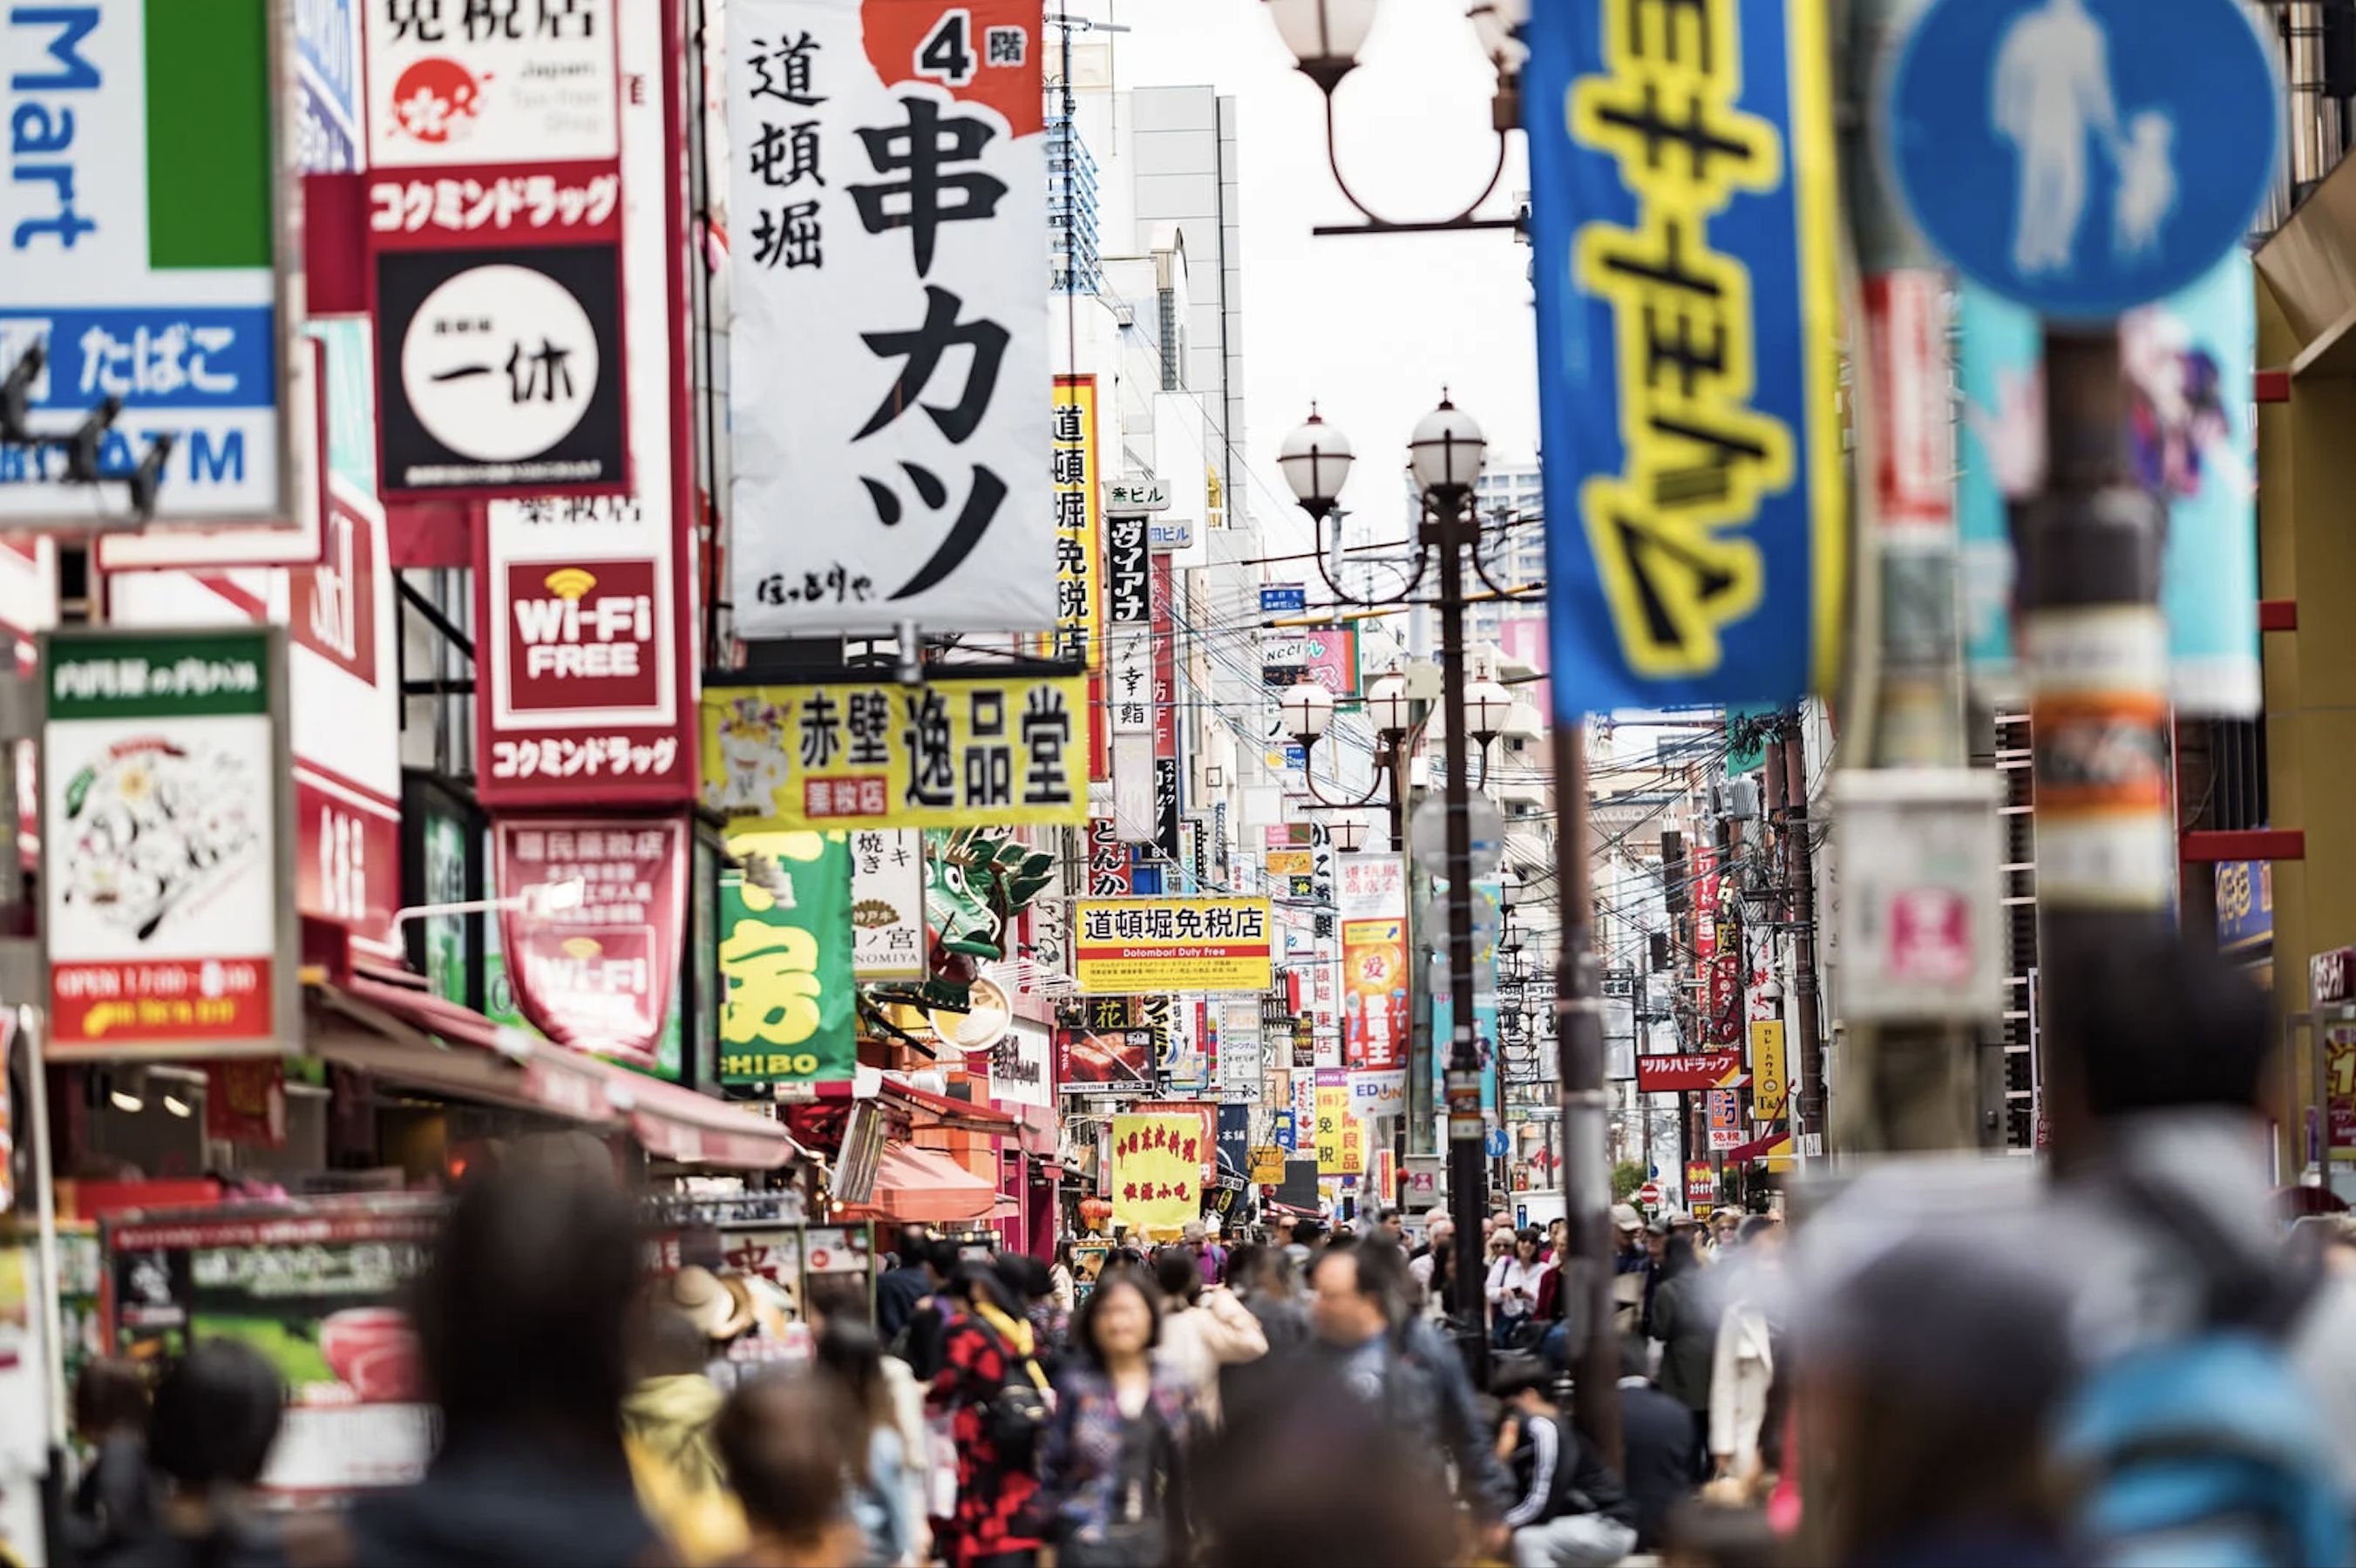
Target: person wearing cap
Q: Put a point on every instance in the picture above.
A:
(1630, 1262)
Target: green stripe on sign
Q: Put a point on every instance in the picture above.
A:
(209, 167)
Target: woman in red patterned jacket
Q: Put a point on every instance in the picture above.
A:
(988, 1347)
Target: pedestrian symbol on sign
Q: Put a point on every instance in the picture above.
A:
(2083, 156)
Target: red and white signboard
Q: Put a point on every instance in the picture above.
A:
(495, 212)
(1705, 901)
(592, 945)
(584, 658)
(1682, 1074)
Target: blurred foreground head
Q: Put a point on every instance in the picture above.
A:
(786, 1440)
(525, 1312)
(1302, 1476)
(217, 1412)
(2161, 1025)
(1929, 1379)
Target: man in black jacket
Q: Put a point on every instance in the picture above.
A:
(1570, 1510)
(909, 1280)
(1660, 1447)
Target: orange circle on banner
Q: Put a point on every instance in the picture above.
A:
(965, 50)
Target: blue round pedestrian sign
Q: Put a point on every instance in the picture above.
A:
(1497, 1145)
(2083, 156)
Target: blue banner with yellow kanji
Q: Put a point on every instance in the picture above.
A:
(1684, 203)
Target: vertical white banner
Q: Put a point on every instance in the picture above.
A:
(889, 396)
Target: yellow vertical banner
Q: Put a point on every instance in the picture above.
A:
(1079, 524)
(1156, 1173)
(1771, 1081)
(1341, 1136)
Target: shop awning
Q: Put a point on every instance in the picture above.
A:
(919, 1185)
(1774, 1145)
(947, 1111)
(386, 1024)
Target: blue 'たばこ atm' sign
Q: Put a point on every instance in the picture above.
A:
(1683, 210)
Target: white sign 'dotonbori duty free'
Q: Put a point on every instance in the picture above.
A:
(148, 243)
(169, 912)
(888, 189)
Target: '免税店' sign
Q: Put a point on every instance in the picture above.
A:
(887, 188)
(495, 232)
(593, 965)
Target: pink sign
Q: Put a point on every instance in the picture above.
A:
(593, 936)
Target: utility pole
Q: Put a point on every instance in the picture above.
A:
(1800, 878)
(1468, 1171)
(1579, 1049)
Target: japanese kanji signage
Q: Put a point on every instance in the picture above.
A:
(1157, 1172)
(494, 218)
(149, 252)
(459, 82)
(155, 740)
(590, 689)
(1128, 945)
(1725, 1118)
(584, 646)
(981, 753)
(887, 904)
(593, 969)
(1689, 332)
(1079, 527)
(1103, 1045)
(1374, 994)
(1341, 1136)
(887, 188)
(787, 1012)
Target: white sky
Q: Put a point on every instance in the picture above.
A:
(1370, 327)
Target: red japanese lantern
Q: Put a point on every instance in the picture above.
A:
(1095, 1212)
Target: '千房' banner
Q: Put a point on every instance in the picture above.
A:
(1682, 166)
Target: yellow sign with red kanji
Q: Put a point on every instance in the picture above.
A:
(1157, 1172)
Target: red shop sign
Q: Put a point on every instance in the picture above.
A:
(593, 939)
(1681, 1074)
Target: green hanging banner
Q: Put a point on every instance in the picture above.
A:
(787, 1015)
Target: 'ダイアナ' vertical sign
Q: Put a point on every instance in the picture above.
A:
(887, 191)
(1683, 212)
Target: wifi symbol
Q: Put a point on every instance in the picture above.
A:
(570, 581)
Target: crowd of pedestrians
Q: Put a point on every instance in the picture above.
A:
(2129, 1356)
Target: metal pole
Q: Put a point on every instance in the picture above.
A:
(2097, 658)
(1799, 861)
(1406, 933)
(1915, 1086)
(1468, 1169)
(1579, 1044)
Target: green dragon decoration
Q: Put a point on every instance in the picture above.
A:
(976, 883)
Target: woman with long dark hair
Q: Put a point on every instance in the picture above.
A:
(991, 1383)
(1113, 1480)
(882, 1499)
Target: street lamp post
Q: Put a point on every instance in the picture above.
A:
(1445, 456)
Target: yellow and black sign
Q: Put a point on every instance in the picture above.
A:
(1682, 154)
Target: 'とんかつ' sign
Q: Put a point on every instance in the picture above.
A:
(166, 877)
(981, 753)
(887, 181)
(786, 1013)
(1689, 336)
(1124, 946)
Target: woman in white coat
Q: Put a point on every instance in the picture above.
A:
(1743, 1379)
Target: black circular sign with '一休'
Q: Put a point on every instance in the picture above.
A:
(499, 373)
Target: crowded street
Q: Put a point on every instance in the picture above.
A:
(1177, 784)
